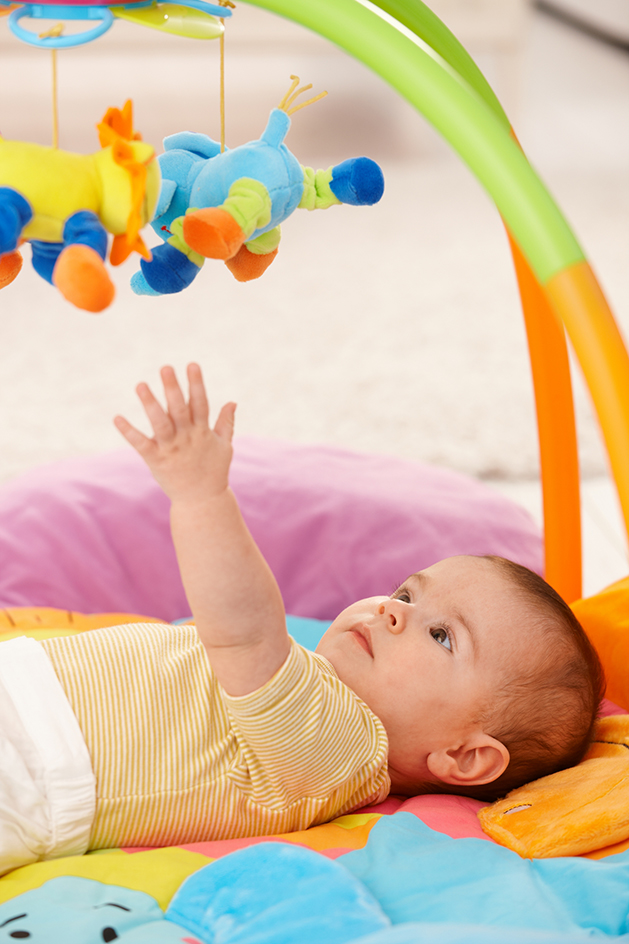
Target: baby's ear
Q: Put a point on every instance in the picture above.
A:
(481, 759)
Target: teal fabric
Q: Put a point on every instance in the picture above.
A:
(307, 632)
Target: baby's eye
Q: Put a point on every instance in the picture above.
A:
(440, 635)
(401, 594)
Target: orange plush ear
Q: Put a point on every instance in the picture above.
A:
(116, 131)
(605, 619)
(575, 811)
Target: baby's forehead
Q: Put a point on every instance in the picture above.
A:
(468, 575)
(505, 617)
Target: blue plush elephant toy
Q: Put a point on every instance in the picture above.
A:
(229, 205)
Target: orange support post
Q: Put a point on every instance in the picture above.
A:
(556, 430)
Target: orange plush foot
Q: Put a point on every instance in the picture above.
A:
(213, 233)
(10, 265)
(245, 265)
(81, 277)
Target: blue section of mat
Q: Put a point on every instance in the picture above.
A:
(417, 874)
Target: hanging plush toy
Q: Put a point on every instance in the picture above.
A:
(228, 204)
(65, 204)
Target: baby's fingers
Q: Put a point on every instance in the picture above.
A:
(199, 406)
(224, 426)
(178, 409)
(134, 437)
(160, 421)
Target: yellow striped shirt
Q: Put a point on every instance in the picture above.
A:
(177, 760)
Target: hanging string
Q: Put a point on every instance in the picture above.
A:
(54, 31)
(223, 3)
(55, 102)
(222, 87)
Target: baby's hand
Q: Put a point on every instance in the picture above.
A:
(188, 459)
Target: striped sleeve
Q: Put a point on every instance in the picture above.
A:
(307, 735)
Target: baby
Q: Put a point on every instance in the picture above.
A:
(473, 677)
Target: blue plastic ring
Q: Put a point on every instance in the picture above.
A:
(210, 8)
(40, 11)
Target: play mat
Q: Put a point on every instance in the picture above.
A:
(85, 543)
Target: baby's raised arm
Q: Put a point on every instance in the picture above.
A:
(235, 600)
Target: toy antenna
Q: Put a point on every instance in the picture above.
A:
(291, 97)
(232, 6)
(54, 31)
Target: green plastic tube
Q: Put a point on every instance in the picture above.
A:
(455, 108)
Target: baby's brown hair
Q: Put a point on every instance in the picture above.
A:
(544, 716)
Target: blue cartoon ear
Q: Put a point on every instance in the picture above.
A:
(166, 194)
(274, 893)
(76, 911)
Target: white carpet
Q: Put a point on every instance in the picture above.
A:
(391, 329)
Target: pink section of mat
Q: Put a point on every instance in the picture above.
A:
(453, 815)
(92, 534)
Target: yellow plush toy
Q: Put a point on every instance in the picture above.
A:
(65, 205)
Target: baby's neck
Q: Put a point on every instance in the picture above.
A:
(403, 785)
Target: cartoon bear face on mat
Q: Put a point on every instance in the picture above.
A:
(81, 911)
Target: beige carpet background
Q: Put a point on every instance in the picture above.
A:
(391, 329)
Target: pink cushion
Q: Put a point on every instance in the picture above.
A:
(91, 534)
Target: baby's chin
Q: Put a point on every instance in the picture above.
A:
(326, 649)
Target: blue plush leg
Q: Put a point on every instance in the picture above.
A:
(140, 286)
(82, 228)
(168, 272)
(45, 257)
(85, 229)
(15, 213)
(358, 181)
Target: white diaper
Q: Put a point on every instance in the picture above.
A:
(47, 786)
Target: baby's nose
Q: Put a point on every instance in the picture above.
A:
(393, 615)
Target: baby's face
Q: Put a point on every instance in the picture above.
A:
(427, 659)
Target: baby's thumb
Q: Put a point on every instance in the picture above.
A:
(224, 426)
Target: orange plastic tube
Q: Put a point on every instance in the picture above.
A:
(578, 301)
(557, 434)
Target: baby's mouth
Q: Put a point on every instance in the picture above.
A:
(363, 637)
